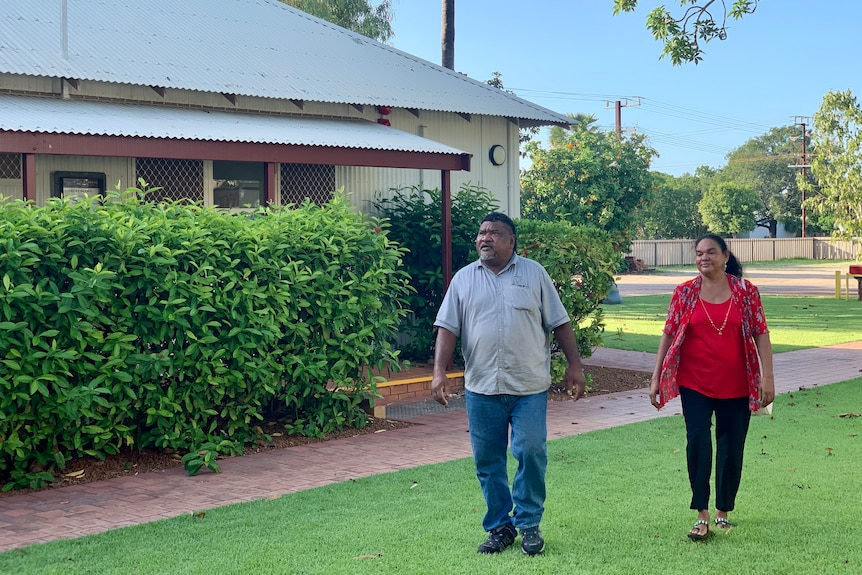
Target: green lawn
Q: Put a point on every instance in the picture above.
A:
(794, 322)
(617, 504)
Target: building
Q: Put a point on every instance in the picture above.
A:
(238, 103)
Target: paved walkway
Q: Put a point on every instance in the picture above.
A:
(100, 506)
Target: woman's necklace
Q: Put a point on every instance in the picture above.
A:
(726, 315)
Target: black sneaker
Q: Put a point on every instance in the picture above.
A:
(499, 539)
(531, 541)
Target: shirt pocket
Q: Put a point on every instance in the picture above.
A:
(522, 298)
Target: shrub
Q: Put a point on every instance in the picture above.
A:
(414, 221)
(580, 259)
(130, 323)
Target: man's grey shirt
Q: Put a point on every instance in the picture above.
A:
(505, 322)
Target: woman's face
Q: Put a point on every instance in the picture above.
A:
(708, 257)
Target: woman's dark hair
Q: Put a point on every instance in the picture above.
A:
(733, 267)
(499, 217)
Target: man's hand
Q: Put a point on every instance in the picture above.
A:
(440, 389)
(575, 381)
(443, 349)
(574, 378)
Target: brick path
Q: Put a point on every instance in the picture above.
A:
(103, 505)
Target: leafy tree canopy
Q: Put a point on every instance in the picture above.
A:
(557, 136)
(728, 208)
(672, 210)
(764, 164)
(685, 34)
(359, 16)
(837, 166)
(588, 178)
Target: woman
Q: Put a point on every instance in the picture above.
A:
(716, 355)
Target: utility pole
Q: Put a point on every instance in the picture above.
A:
(618, 106)
(448, 39)
(802, 121)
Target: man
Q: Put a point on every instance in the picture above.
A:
(504, 308)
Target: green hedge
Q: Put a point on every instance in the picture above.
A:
(127, 323)
(413, 218)
(580, 259)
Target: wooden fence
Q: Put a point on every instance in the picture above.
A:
(657, 253)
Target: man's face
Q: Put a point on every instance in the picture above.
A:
(495, 244)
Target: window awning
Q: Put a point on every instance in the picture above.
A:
(36, 125)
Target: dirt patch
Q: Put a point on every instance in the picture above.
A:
(133, 462)
(607, 380)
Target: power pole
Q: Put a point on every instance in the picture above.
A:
(802, 121)
(618, 106)
(448, 39)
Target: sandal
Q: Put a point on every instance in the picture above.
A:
(722, 523)
(695, 534)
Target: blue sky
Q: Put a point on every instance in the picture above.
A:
(576, 56)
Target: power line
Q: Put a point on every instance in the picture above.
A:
(716, 123)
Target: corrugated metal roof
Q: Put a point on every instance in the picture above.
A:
(55, 116)
(246, 47)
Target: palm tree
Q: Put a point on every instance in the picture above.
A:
(558, 136)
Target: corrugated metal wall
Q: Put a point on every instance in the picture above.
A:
(187, 98)
(657, 253)
(475, 136)
(115, 169)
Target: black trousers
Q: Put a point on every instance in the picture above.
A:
(732, 417)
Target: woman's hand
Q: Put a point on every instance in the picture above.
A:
(767, 390)
(653, 392)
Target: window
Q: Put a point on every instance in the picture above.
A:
(238, 184)
(76, 185)
(301, 181)
(176, 179)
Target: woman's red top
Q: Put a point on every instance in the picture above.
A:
(712, 363)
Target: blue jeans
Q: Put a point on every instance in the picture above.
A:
(490, 417)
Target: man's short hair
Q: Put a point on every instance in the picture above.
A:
(498, 217)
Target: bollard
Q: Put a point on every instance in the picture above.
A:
(837, 284)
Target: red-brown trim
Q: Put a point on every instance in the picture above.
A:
(446, 229)
(29, 176)
(269, 183)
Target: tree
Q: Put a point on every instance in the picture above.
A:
(837, 166)
(671, 211)
(588, 178)
(684, 36)
(728, 208)
(763, 163)
(356, 15)
(557, 136)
